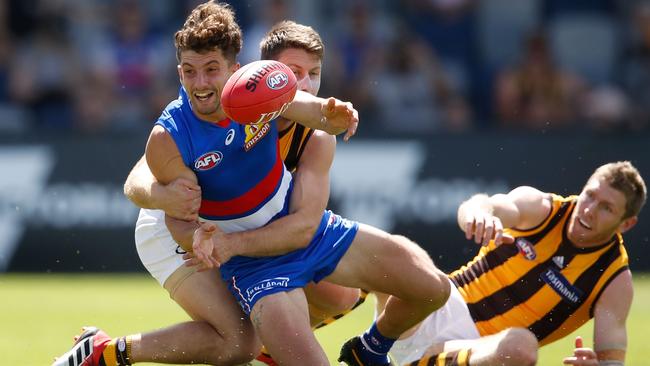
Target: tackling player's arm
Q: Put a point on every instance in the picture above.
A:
(294, 231)
(180, 199)
(166, 164)
(484, 217)
(330, 115)
(610, 334)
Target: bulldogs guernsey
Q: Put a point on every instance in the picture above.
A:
(243, 180)
(245, 185)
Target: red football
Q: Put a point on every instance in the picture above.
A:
(258, 92)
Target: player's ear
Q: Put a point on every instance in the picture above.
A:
(180, 72)
(627, 224)
(235, 67)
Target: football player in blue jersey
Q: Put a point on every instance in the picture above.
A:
(217, 337)
(381, 261)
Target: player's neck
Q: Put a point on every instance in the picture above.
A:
(284, 123)
(215, 117)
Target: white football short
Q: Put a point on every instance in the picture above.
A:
(450, 322)
(158, 251)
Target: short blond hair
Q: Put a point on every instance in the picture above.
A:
(210, 26)
(625, 178)
(289, 34)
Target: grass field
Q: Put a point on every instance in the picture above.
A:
(39, 314)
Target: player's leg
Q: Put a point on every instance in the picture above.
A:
(282, 323)
(328, 301)
(394, 265)
(221, 335)
(511, 347)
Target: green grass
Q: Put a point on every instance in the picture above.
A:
(39, 314)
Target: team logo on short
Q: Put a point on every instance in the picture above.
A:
(254, 134)
(265, 285)
(526, 249)
(277, 80)
(208, 160)
(561, 285)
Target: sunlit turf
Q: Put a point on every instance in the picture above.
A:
(39, 314)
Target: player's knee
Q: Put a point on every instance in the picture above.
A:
(432, 285)
(518, 347)
(443, 287)
(346, 298)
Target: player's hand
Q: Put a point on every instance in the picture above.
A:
(181, 199)
(203, 245)
(582, 356)
(340, 116)
(483, 227)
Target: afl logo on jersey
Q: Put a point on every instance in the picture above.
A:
(277, 80)
(208, 160)
(526, 249)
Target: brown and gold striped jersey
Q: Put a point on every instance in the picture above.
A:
(292, 143)
(542, 281)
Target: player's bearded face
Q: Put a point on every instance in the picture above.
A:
(203, 76)
(598, 214)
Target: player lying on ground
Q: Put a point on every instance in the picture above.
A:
(547, 265)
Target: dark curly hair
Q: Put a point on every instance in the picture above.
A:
(210, 26)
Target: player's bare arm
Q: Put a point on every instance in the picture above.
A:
(330, 115)
(610, 334)
(179, 199)
(294, 231)
(483, 217)
(166, 164)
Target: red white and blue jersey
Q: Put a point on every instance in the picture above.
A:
(244, 183)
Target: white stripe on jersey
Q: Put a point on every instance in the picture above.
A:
(262, 216)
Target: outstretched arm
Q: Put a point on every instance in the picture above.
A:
(484, 217)
(330, 115)
(294, 231)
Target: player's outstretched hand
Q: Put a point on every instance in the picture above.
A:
(483, 227)
(582, 356)
(340, 116)
(203, 245)
(181, 199)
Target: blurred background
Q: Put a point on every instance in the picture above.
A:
(456, 97)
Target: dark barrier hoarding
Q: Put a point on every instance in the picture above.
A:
(63, 208)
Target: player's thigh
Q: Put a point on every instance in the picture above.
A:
(381, 262)
(205, 296)
(330, 297)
